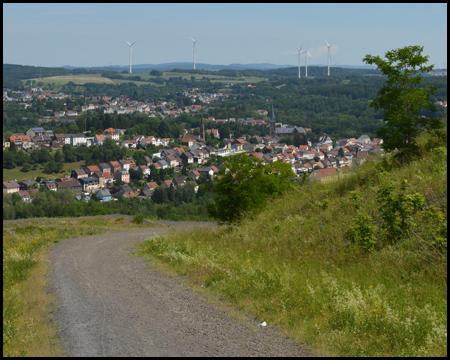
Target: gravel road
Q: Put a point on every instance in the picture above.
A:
(113, 304)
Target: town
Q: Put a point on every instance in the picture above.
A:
(322, 160)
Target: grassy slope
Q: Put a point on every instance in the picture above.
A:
(293, 265)
(16, 174)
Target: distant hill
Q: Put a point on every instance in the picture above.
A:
(183, 66)
(199, 66)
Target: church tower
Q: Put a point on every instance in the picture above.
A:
(272, 123)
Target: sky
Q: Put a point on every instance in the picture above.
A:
(86, 35)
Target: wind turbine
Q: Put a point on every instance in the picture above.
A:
(329, 56)
(306, 62)
(194, 41)
(131, 51)
(299, 55)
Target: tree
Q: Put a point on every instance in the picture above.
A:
(246, 184)
(341, 152)
(402, 98)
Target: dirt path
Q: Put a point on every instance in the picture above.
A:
(112, 304)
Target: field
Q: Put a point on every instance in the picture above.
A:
(16, 174)
(59, 81)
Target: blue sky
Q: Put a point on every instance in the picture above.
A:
(94, 34)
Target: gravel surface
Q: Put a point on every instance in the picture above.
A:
(113, 304)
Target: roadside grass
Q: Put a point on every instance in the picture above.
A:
(293, 265)
(27, 320)
(16, 174)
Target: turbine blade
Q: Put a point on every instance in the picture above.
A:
(133, 43)
(127, 42)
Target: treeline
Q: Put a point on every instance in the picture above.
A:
(64, 204)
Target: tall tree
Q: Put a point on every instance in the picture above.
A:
(402, 98)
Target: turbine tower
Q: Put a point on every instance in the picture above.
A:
(329, 56)
(306, 62)
(131, 51)
(299, 55)
(194, 41)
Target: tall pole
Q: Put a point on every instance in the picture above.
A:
(329, 60)
(131, 50)
(194, 54)
(299, 53)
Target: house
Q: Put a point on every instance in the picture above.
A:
(205, 170)
(146, 194)
(42, 141)
(99, 139)
(194, 174)
(50, 185)
(125, 164)
(91, 169)
(104, 195)
(145, 170)
(129, 144)
(58, 141)
(104, 167)
(364, 139)
(187, 157)
(150, 186)
(325, 175)
(109, 179)
(125, 191)
(194, 184)
(89, 184)
(10, 187)
(179, 181)
(36, 131)
(19, 140)
(24, 195)
(166, 183)
(122, 176)
(73, 184)
(148, 160)
(6, 144)
(163, 164)
(75, 139)
(171, 160)
(27, 184)
(101, 178)
(115, 166)
(111, 133)
(78, 174)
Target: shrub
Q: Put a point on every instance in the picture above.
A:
(138, 219)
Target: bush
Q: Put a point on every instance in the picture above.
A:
(138, 219)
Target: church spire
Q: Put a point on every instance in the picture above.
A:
(272, 123)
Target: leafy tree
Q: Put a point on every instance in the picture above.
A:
(341, 152)
(245, 185)
(402, 98)
(156, 73)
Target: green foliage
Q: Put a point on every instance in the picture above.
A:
(362, 231)
(138, 219)
(245, 185)
(397, 209)
(402, 99)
